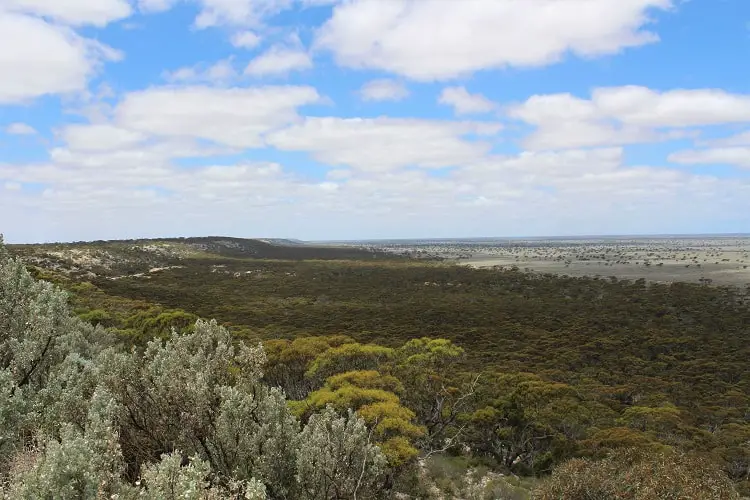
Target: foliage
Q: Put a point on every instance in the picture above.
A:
(337, 459)
(80, 465)
(528, 423)
(373, 396)
(433, 389)
(289, 360)
(172, 479)
(446, 477)
(636, 474)
(81, 418)
(519, 372)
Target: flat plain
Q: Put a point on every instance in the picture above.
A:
(719, 260)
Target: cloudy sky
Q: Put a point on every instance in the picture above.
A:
(326, 119)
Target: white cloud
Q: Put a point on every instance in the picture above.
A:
(439, 39)
(382, 144)
(737, 156)
(74, 12)
(246, 40)
(279, 60)
(236, 117)
(100, 137)
(20, 129)
(625, 115)
(641, 106)
(383, 90)
(338, 174)
(236, 13)
(541, 167)
(131, 158)
(465, 103)
(219, 72)
(142, 193)
(741, 139)
(152, 6)
(38, 58)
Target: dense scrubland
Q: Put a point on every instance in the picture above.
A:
(342, 373)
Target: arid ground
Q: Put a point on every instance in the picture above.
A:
(720, 260)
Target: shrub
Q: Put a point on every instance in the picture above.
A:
(639, 475)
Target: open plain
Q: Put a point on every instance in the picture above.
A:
(719, 260)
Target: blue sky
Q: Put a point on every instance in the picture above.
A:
(347, 119)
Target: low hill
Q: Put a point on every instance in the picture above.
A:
(128, 257)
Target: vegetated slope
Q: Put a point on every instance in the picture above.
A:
(688, 342)
(124, 257)
(201, 415)
(666, 360)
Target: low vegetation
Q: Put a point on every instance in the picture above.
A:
(366, 378)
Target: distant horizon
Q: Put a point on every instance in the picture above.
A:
(410, 239)
(547, 237)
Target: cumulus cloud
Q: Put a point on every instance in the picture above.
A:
(438, 40)
(584, 191)
(741, 139)
(100, 137)
(378, 175)
(38, 58)
(236, 117)
(279, 60)
(238, 12)
(153, 6)
(246, 40)
(383, 90)
(625, 115)
(642, 106)
(73, 12)
(219, 72)
(20, 129)
(465, 103)
(383, 143)
(736, 156)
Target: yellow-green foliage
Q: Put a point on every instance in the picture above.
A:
(428, 351)
(398, 450)
(348, 396)
(289, 360)
(371, 395)
(367, 379)
(349, 357)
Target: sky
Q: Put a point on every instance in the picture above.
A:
(365, 119)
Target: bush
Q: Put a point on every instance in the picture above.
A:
(638, 475)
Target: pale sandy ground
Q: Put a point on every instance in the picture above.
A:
(720, 265)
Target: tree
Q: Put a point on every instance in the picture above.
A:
(374, 397)
(289, 360)
(434, 389)
(527, 423)
(348, 357)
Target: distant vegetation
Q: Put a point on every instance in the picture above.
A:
(472, 383)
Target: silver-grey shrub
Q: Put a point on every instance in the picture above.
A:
(82, 418)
